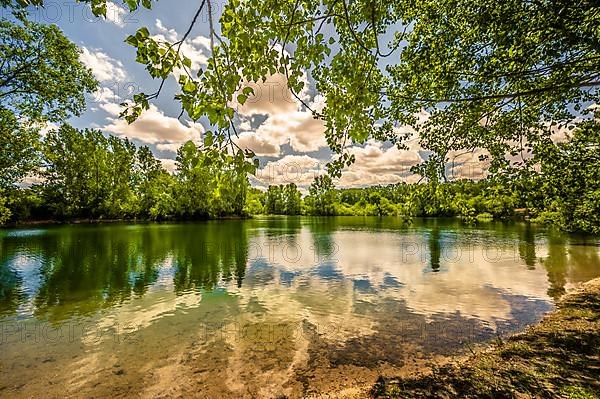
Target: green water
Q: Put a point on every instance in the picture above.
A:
(265, 307)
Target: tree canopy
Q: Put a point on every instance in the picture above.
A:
(41, 76)
(41, 80)
(493, 74)
(87, 174)
(497, 76)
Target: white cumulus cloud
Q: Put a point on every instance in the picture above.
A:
(104, 67)
(154, 127)
(115, 14)
(298, 169)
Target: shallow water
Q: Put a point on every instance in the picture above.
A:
(265, 307)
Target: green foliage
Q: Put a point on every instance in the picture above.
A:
(490, 74)
(89, 175)
(503, 71)
(470, 200)
(98, 6)
(41, 78)
(19, 155)
(566, 194)
(292, 200)
(274, 200)
(210, 183)
(283, 200)
(571, 179)
(4, 211)
(493, 75)
(255, 202)
(23, 204)
(322, 196)
(550, 218)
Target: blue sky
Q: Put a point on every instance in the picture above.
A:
(289, 142)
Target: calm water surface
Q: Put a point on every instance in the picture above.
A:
(265, 307)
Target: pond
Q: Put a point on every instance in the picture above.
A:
(266, 307)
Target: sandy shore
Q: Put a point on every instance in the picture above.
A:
(557, 358)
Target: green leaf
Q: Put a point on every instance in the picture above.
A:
(143, 33)
(132, 4)
(208, 139)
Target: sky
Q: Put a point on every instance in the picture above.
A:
(290, 144)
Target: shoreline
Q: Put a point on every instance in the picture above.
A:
(557, 357)
(92, 221)
(84, 221)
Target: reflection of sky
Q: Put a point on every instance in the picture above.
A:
(388, 264)
(27, 266)
(291, 264)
